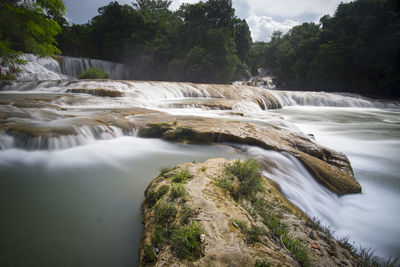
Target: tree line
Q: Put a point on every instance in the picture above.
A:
(203, 42)
(355, 50)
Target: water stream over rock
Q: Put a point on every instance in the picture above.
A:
(73, 170)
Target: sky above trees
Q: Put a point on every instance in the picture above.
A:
(263, 16)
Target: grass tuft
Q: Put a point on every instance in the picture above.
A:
(181, 177)
(252, 234)
(186, 241)
(164, 170)
(177, 191)
(249, 174)
(149, 256)
(163, 212)
(154, 196)
(263, 263)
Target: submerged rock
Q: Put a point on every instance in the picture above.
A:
(224, 229)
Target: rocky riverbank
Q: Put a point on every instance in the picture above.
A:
(220, 213)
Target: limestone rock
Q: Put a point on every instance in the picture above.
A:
(222, 241)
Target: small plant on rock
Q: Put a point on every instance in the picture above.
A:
(154, 196)
(186, 241)
(177, 191)
(249, 174)
(181, 177)
(163, 211)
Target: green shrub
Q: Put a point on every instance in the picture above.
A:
(154, 196)
(253, 234)
(93, 73)
(160, 235)
(163, 212)
(149, 256)
(185, 214)
(186, 241)
(181, 177)
(7, 77)
(177, 191)
(262, 264)
(164, 170)
(224, 182)
(249, 174)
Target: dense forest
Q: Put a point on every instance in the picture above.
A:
(355, 50)
(203, 42)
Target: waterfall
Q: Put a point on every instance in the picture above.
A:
(297, 184)
(39, 69)
(73, 66)
(325, 99)
(85, 121)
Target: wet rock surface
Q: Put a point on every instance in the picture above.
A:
(218, 215)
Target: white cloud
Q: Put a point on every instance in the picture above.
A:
(263, 16)
(177, 3)
(292, 9)
(262, 27)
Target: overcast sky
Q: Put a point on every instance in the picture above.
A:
(263, 16)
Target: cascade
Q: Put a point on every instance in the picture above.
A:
(39, 69)
(74, 66)
(86, 116)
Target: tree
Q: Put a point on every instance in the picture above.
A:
(29, 26)
(356, 50)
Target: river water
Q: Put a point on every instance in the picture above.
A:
(371, 140)
(81, 206)
(74, 199)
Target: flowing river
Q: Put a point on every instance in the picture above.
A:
(73, 198)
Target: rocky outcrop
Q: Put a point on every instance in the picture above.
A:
(221, 228)
(330, 168)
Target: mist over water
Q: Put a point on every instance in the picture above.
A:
(371, 140)
(73, 199)
(81, 206)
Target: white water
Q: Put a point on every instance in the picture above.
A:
(371, 140)
(366, 130)
(81, 206)
(37, 69)
(73, 66)
(44, 69)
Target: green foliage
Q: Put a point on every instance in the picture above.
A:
(93, 73)
(29, 27)
(181, 177)
(164, 211)
(249, 174)
(160, 235)
(180, 133)
(149, 256)
(154, 196)
(4, 77)
(202, 42)
(185, 214)
(164, 170)
(177, 191)
(357, 50)
(156, 129)
(224, 182)
(262, 264)
(186, 241)
(253, 234)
